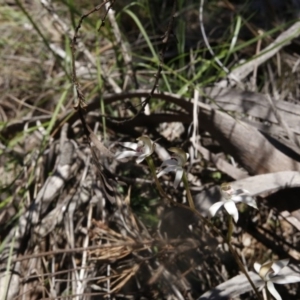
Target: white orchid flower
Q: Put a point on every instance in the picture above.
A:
(142, 149)
(229, 199)
(269, 273)
(174, 164)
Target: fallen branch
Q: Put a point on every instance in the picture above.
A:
(245, 143)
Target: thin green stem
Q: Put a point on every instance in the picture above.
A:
(242, 268)
(230, 228)
(188, 191)
(151, 165)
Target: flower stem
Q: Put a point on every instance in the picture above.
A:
(150, 163)
(188, 191)
(230, 229)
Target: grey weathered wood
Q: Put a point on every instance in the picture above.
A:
(267, 183)
(251, 149)
(254, 104)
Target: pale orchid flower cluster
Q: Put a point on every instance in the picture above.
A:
(269, 273)
(145, 147)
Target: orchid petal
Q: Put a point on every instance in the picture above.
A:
(257, 267)
(180, 155)
(215, 207)
(148, 145)
(167, 170)
(248, 199)
(141, 158)
(168, 162)
(130, 145)
(241, 191)
(236, 198)
(261, 287)
(226, 187)
(266, 270)
(178, 177)
(272, 290)
(286, 279)
(232, 210)
(278, 265)
(226, 190)
(125, 154)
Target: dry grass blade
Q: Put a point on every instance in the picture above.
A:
(282, 40)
